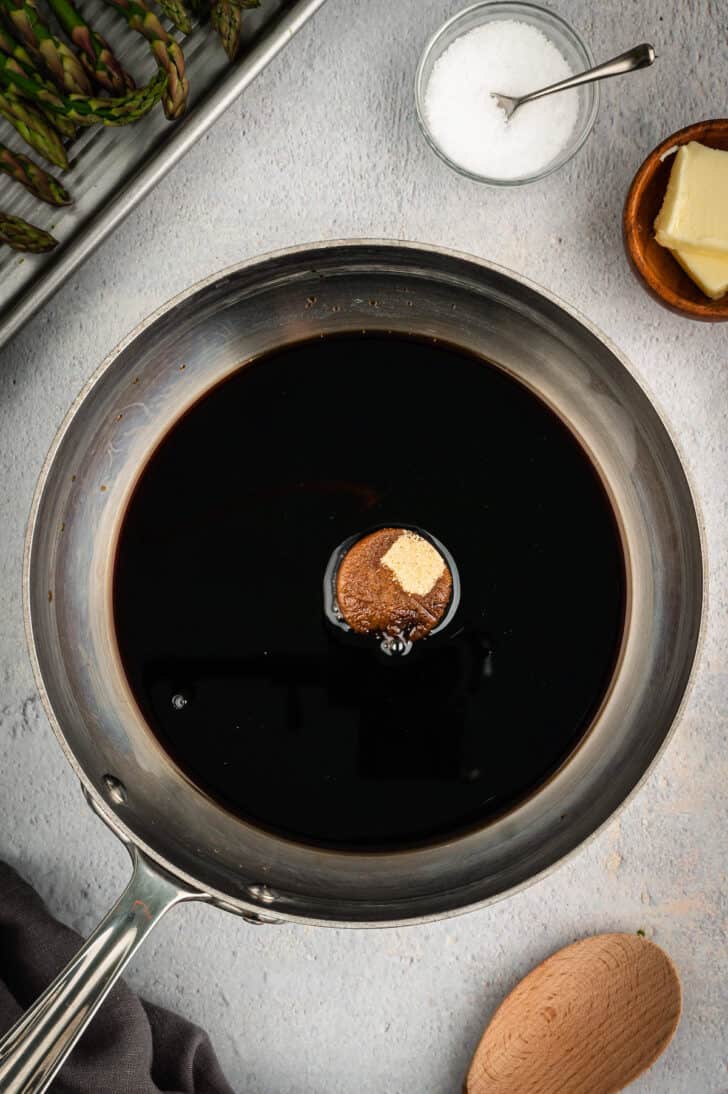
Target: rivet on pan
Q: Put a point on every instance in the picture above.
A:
(262, 893)
(257, 920)
(116, 789)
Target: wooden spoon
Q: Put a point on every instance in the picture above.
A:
(589, 1020)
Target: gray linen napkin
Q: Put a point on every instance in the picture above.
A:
(130, 1047)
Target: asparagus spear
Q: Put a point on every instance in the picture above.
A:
(34, 129)
(14, 49)
(95, 52)
(21, 236)
(63, 125)
(226, 17)
(33, 177)
(83, 109)
(62, 63)
(201, 8)
(176, 11)
(167, 52)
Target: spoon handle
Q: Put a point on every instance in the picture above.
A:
(638, 57)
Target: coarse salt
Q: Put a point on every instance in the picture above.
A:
(511, 58)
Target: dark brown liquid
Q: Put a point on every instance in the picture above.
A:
(218, 592)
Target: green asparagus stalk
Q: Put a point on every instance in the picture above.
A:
(167, 52)
(83, 109)
(201, 8)
(177, 13)
(64, 125)
(21, 236)
(60, 60)
(33, 177)
(226, 17)
(14, 49)
(34, 129)
(95, 52)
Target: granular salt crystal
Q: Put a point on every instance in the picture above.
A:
(511, 58)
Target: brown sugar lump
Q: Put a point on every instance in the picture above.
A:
(393, 582)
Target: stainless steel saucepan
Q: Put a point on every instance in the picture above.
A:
(186, 847)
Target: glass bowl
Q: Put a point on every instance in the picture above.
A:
(566, 40)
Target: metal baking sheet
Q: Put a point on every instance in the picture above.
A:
(114, 168)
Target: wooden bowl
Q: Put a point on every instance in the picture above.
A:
(653, 264)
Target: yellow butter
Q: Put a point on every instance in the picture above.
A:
(694, 215)
(709, 272)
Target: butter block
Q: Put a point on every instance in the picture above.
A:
(709, 272)
(694, 215)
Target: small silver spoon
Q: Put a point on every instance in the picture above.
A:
(639, 57)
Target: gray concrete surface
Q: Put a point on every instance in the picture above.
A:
(325, 144)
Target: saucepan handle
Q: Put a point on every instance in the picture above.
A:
(34, 1049)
